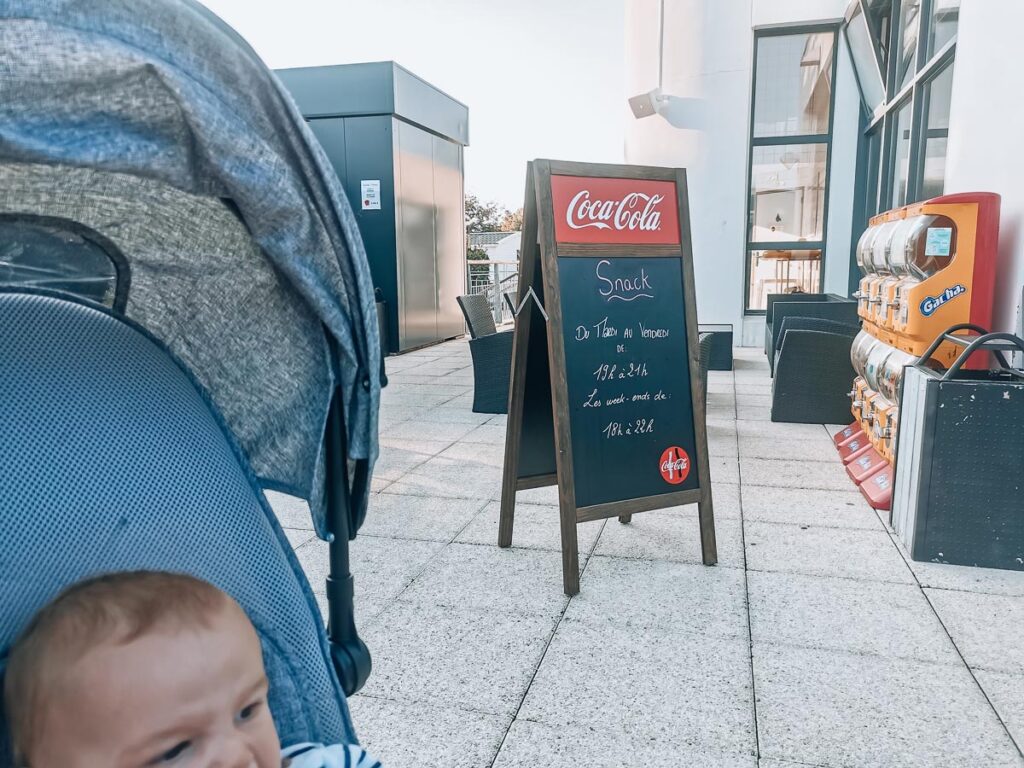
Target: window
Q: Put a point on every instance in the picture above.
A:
(900, 153)
(865, 53)
(906, 42)
(913, 112)
(879, 15)
(945, 17)
(937, 96)
(39, 252)
(790, 143)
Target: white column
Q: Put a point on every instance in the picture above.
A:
(986, 132)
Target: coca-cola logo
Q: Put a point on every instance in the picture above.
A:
(675, 465)
(613, 210)
(635, 211)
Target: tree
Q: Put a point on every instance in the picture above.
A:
(483, 217)
(512, 221)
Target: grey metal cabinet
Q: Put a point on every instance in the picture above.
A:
(379, 123)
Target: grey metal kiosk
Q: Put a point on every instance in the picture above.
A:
(396, 143)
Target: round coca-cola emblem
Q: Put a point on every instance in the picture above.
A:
(675, 465)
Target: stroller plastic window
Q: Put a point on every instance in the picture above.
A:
(62, 255)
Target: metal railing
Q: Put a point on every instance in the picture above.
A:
(494, 278)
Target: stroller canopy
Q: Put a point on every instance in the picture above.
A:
(147, 130)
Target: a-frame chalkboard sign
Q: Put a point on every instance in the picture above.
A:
(606, 401)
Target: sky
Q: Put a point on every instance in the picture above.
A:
(541, 78)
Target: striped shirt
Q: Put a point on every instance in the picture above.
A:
(319, 756)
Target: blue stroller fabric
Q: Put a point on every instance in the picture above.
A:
(162, 90)
(114, 459)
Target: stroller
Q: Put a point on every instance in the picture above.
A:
(186, 319)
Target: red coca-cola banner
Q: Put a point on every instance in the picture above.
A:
(634, 211)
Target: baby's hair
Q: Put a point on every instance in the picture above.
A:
(115, 608)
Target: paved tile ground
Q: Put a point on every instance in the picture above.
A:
(815, 642)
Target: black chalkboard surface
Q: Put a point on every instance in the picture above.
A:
(605, 401)
(628, 377)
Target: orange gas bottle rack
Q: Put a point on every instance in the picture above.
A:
(925, 267)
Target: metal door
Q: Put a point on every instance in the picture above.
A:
(416, 238)
(449, 227)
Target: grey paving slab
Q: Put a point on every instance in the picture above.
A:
(647, 683)
(470, 454)
(763, 763)
(753, 387)
(394, 463)
(433, 385)
(398, 413)
(721, 429)
(397, 363)
(721, 398)
(724, 386)
(779, 430)
(492, 434)
(403, 735)
(446, 415)
(430, 518)
(547, 496)
(958, 577)
(723, 447)
(291, 511)
(407, 397)
(721, 411)
(753, 413)
(986, 628)
(477, 660)
(381, 568)
(805, 506)
(892, 620)
(427, 447)
(407, 376)
(796, 449)
(836, 708)
(488, 578)
(1006, 692)
(451, 478)
(462, 401)
(671, 535)
(783, 473)
(536, 526)
(818, 551)
(298, 536)
(725, 499)
(657, 594)
(441, 367)
(529, 745)
(746, 399)
(413, 431)
(724, 470)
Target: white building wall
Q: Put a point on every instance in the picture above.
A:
(708, 65)
(985, 128)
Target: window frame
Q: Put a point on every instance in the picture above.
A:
(775, 141)
(885, 116)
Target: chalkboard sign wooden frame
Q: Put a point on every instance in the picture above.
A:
(538, 447)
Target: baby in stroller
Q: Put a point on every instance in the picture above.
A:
(186, 319)
(148, 668)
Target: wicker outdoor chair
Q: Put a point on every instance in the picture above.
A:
(827, 306)
(813, 373)
(492, 355)
(704, 343)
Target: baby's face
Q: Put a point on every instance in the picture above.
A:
(195, 698)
